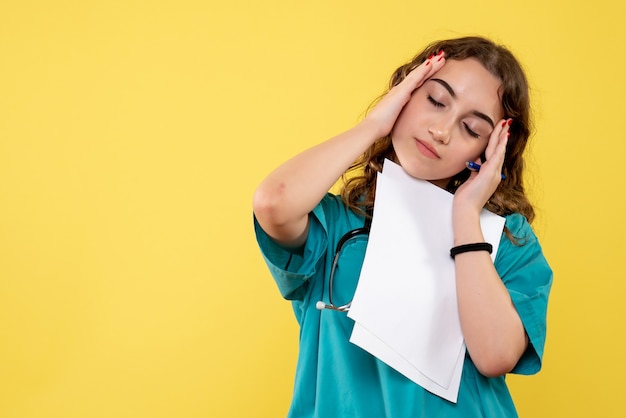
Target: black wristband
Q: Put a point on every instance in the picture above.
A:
(479, 246)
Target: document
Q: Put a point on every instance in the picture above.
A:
(405, 308)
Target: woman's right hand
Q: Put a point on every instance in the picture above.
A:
(283, 201)
(383, 116)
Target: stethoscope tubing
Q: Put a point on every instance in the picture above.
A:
(347, 236)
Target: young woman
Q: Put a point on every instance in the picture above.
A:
(458, 101)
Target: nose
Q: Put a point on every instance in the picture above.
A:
(440, 130)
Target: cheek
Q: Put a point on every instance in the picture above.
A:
(477, 152)
(410, 117)
(415, 105)
(469, 152)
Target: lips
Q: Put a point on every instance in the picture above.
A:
(427, 150)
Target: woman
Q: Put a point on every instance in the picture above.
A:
(459, 101)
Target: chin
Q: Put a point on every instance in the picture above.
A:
(416, 173)
(421, 175)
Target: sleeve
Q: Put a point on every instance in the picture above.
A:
(528, 278)
(290, 269)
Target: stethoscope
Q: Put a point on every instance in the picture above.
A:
(365, 230)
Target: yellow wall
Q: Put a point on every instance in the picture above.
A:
(133, 134)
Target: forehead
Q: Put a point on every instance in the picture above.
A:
(473, 85)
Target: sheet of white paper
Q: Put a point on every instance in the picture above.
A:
(363, 338)
(406, 296)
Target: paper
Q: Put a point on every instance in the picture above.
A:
(405, 305)
(362, 337)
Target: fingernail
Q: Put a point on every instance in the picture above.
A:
(431, 56)
(440, 58)
(510, 122)
(503, 124)
(427, 63)
(508, 134)
(440, 52)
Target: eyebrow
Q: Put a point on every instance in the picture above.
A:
(474, 112)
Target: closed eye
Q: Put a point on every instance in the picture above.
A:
(435, 102)
(469, 131)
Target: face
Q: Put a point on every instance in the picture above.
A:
(447, 121)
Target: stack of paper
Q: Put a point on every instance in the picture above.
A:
(405, 305)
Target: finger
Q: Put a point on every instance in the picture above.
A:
(503, 140)
(494, 138)
(424, 71)
(497, 157)
(500, 153)
(499, 132)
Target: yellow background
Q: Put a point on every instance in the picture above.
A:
(134, 132)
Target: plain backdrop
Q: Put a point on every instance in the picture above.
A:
(134, 132)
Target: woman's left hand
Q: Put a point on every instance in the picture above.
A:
(493, 331)
(480, 186)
